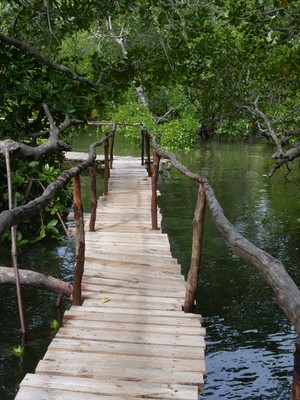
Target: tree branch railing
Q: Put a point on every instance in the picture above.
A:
(14, 216)
(287, 294)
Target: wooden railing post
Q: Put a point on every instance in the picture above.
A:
(147, 138)
(106, 167)
(156, 160)
(5, 150)
(198, 229)
(80, 242)
(93, 195)
(112, 147)
(143, 146)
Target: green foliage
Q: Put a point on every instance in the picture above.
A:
(178, 134)
(202, 62)
(235, 128)
(18, 351)
(28, 182)
(54, 324)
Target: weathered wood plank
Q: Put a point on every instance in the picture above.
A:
(95, 292)
(136, 274)
(121, 326)
(131, 337)
(144, 313)
(112, 369)
(124, 277)
(135, 349)
(144, 318)
(125, 389)
(136, 305)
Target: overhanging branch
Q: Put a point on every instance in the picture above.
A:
(32, 278)
(25, 47)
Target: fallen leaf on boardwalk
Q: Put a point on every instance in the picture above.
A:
(104, 299)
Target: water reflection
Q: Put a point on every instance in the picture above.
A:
(249, 339)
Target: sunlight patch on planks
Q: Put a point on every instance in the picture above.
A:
(130, 339)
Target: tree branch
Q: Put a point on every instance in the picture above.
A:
(32, 278)
(119, 39)
(8, 218)
(25, 47)
(53, 142)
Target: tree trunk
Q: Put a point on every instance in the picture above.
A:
(32, 278)
(198, 229)
(93, 194)
(80, 242)
(286, 292)
(156, 160)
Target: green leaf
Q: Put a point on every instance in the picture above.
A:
(54, 324)
(52, 223)
(18, 351)
(34, 164)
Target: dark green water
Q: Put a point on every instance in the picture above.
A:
(249, 340)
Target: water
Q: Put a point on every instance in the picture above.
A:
(39, 311)
(249, 340)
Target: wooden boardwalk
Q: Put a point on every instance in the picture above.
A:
(130, 339)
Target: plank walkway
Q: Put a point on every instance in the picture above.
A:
(130, 339)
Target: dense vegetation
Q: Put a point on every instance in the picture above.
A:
(204, 68)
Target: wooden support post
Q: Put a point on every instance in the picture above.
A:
(93, 195)
(112, 148)
(106, 167)
(14, 248)
(198, 229)
(156, 160)
(80, 242)
(143, 147)
(147, 137)
(296, 374)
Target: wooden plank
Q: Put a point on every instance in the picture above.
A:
(41, 393)
(113, 365)
(135, 274)
(136, 305)
(141, 252)
(125, 389)
(114, 369)
(95, 292)
(105, 260)
(93, 313)
(137, 349)
(143, 312)
(131, 337)
(119, 325)
(146, 260)
(104, 291)
(132, 278)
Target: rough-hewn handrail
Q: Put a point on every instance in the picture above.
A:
(286, 292)
(8, 218)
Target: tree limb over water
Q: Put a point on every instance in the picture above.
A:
(32, 278)
(270, 132)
